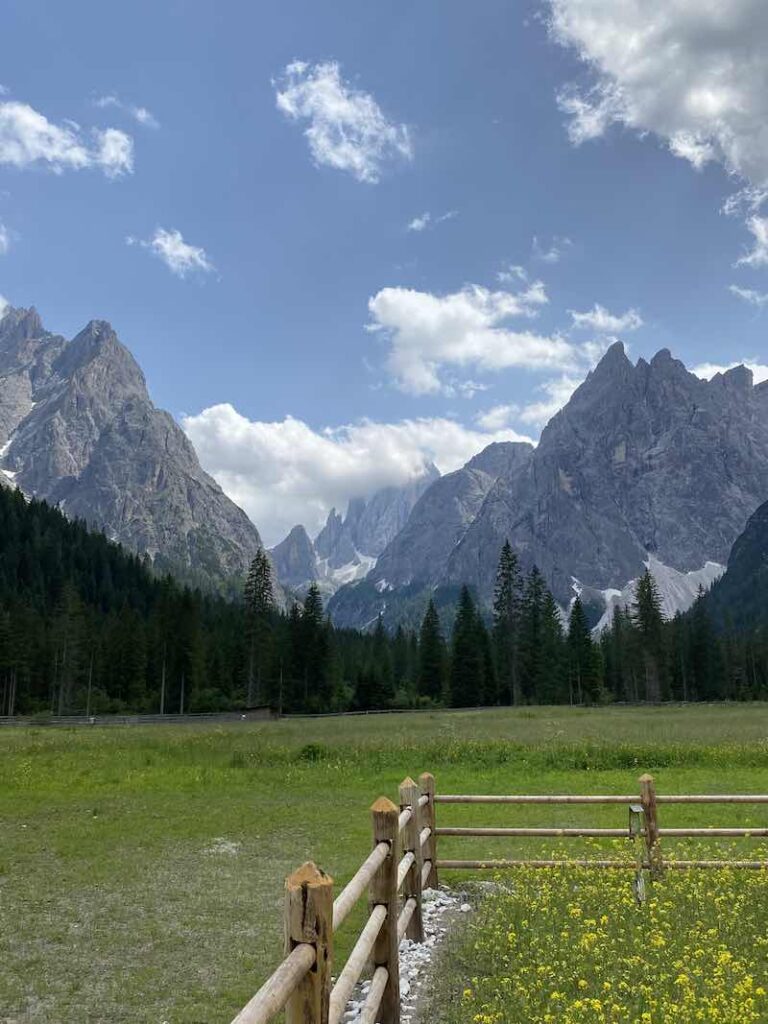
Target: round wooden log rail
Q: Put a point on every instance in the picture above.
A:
(373, 999)
(355, 965)
(426, 871)
(404, 867)
(404, 819)
(706, 833)
(277, 989)
(580, 832)
(458, 798)
(626, 865)
(358, 884)
(424, 835)
(405, 917)
(712, 798)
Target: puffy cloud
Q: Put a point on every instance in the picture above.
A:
(5, 239)
(554, 251)
(139, 114)
(285, 472)
(426, 220)
(758, 254)
(749, 295)
(346, 127)
(498, 416)
(557, 392)
(599, 319)
(27, 138)
(180, 257)
(420, 223)
(4, 306)
(708, 370)
(467, 329)
(694, 72)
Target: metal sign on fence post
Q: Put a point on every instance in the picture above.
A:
(635, 832)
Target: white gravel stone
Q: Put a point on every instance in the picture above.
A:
(415, 957)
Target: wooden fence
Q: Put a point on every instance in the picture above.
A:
(404, 861)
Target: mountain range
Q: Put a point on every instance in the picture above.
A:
(78, 428)
(646, 465)
(347, 547)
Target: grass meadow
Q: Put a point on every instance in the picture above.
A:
(141, 868)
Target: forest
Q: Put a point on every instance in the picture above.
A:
(88, 628)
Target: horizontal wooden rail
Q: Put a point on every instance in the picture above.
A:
(403, 868)
(424, 835)
(493, 865)
(712, 798)
(555, 832)
(370, 1010)
(358, 884)
(426, 871)
(355, 965)
(714, 832)
(458, 798)
(405, 917)
(277, 990)
(404, 819)
(424, 800)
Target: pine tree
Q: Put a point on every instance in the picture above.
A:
(553, 683)
(259, 605)
(432, 656)
(584, 665)
(531, 667)
(466, 677)
(646, 610)
(507, 599)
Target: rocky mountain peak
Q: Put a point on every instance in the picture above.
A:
(79, 429)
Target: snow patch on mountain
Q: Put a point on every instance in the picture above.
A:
(677, 590)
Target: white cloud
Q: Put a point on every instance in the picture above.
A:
(140, 114)
(708, 370)
(27, 138)
(5, 239)
(467, 329)
(694, 72)
(285, 473)
(554, 251)
(4, 306)
(758, 254)
(426, 220)
(180, 257)
(599, 319)
(497, 417)
(347, 129)
(421, 222)
(749, 295)
(557, 392)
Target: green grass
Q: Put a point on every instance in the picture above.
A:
(141, 869)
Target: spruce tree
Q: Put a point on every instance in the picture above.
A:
(432, 656)
(553, 682)
(507, 599)
(259, 605)
(584, 665)
(648, 619)
(466, 677)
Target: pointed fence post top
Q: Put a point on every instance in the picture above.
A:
(407, 783)
(645, 778)
(308, 875)
(383, 806)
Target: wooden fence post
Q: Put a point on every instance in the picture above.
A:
(309, 919)
(409, 797)
(383, 891)
(427, 783)
(648, 800)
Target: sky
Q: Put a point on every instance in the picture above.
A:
(343, 239)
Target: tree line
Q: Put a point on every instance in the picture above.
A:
(88, 628)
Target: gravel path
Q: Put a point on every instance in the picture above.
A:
(439, 905)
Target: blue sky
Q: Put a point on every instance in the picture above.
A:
(268, 282)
